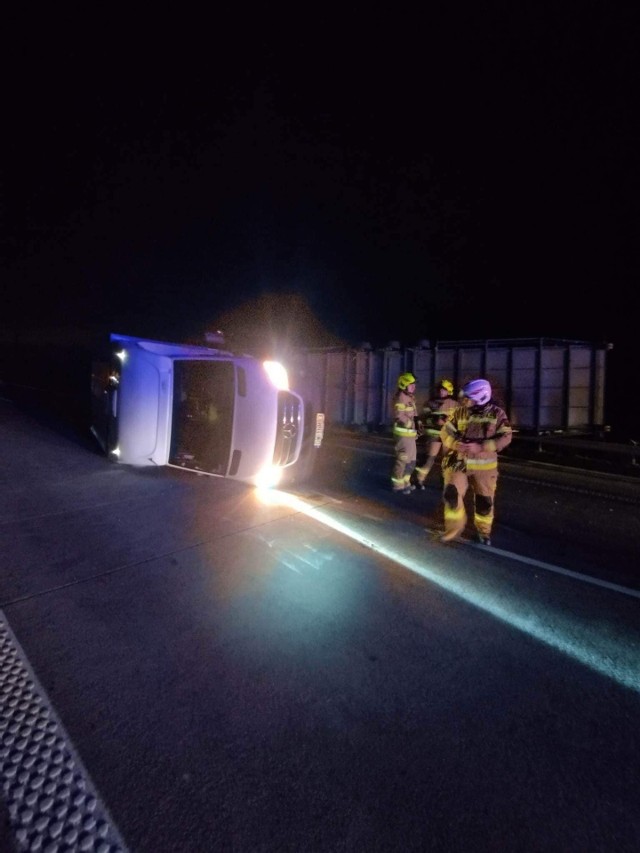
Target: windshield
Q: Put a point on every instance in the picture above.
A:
(203, 397)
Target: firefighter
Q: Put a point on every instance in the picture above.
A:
(434, 416)
(475, 433)
(405, 415)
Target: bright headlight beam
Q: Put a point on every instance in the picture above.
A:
(606, 655)
(277, 374)
(266, 479)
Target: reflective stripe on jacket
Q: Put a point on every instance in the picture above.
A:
(486, 425)
(404, 415)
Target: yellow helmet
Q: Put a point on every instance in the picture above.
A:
(447, 385)
(406, 379)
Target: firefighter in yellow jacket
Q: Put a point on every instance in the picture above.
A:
(405, 431)
(435, 413)
(476, 432)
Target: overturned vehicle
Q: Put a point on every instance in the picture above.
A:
(201, 409)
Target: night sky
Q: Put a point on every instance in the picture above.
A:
(373, 176)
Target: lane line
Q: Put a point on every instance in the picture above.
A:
(548, 567)
(613, 654)
(532, 561)
(298, 501)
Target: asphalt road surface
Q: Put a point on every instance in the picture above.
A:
(188, 665)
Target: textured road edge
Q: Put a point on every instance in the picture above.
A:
(53, 805)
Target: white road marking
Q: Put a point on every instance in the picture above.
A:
(612, 654)
(549, 567)
(540, 564)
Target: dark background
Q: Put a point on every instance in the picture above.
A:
(306, 179)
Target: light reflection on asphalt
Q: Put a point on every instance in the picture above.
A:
(613, 655)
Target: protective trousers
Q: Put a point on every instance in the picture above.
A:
(405, 451)
(422, 472)
(456, 484)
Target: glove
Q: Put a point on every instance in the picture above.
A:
(471, 448)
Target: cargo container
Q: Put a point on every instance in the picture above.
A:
(546, 385)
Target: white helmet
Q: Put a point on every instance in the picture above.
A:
(478, 390)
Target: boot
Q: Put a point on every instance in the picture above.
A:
(452, 533)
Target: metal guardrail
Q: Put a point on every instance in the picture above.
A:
(574, 451)
(568, 445)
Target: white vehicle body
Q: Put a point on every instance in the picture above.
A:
(197, 408)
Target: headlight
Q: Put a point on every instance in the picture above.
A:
(277, 374)
(269, 477)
